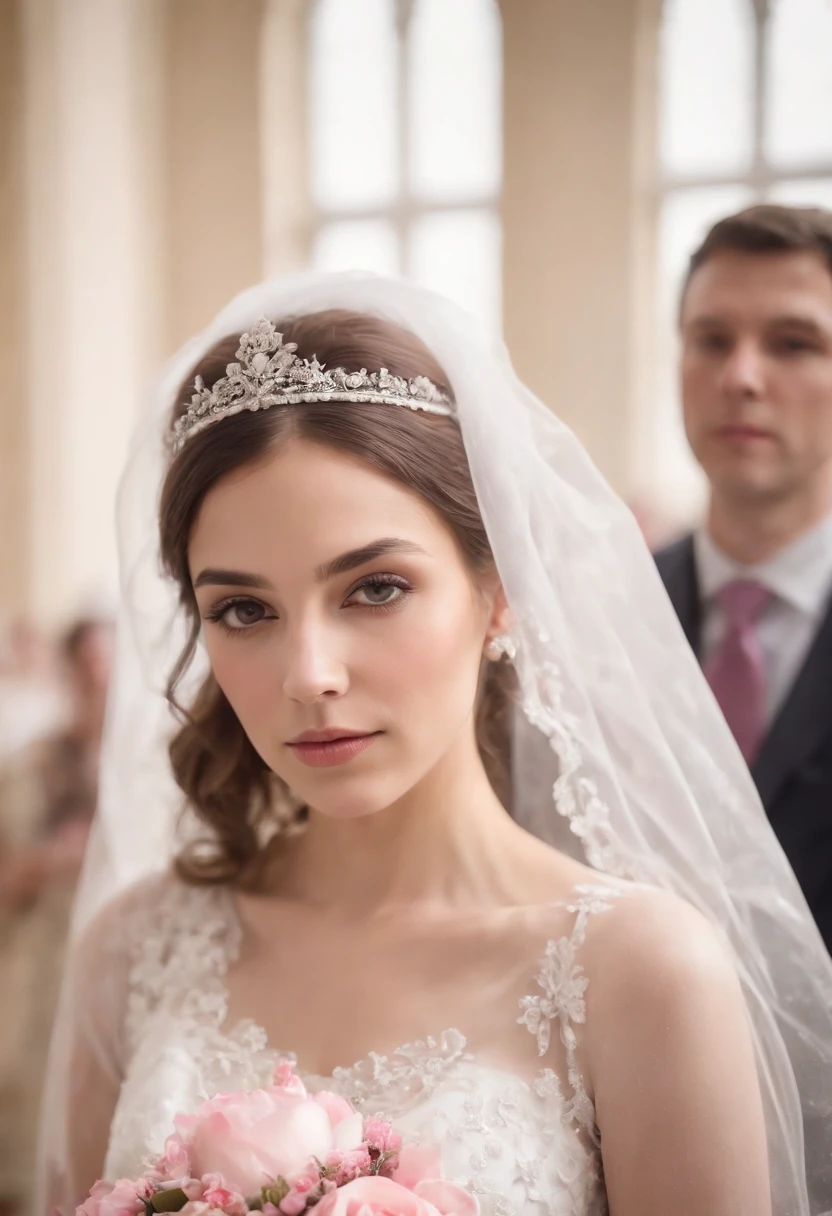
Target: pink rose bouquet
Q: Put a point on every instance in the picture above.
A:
(283, 1151)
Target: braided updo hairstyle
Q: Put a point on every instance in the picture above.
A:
(236, 797)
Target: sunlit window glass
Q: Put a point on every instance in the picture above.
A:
(352, 103)
(455, 69)
(707, 85)
(357, 245)
(799, 85)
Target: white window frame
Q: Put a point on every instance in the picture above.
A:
(406, 208)
(761, 174)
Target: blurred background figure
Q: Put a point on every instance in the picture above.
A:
(32, 701)
(752, 588)
(48, 791)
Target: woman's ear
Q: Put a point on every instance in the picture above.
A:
(499, 620)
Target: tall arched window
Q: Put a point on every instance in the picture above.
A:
(405, 142)
(745, 116)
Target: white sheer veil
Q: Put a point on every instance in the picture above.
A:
(620, 754)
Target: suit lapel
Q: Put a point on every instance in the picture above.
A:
(677, 567)
(803, 720)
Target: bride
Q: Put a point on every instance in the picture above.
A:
(396, 600)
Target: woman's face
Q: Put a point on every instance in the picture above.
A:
(341, 623)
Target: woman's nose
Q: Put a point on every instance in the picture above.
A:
(314, 669)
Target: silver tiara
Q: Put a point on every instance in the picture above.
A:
(270, 373)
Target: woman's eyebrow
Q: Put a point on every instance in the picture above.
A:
(366, 553)
(231, 578)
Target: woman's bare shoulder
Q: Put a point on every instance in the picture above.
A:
(655, 957)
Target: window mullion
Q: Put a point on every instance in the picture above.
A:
(400, 217)
(760, 172)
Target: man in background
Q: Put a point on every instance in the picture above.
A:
(752, 588)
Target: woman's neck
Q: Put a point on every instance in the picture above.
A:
(448, 842)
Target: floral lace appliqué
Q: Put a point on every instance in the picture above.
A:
(392, 1082)
(563, 984)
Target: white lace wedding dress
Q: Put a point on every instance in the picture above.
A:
(525, 1144)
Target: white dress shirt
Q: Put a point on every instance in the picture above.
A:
(800, 580)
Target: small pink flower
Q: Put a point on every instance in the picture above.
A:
(381, 1137)
(219, 1194)
(349, 1165)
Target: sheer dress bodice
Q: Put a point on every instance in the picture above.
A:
(523, 1139)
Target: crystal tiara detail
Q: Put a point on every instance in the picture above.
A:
(270, 373)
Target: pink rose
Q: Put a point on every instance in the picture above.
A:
(418, 1167)
(374, 1196)
(377, 1196)
(447, 1198)
(252, 1139)
(336, 1107)
(415, 1163)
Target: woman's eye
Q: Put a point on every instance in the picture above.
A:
(378, 593)
(239, 615)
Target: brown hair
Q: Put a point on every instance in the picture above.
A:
(766, 228)
(233, 792)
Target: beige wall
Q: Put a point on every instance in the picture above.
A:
(14, 557)
(89, 289)
(212, 173)
(283, 137)
(580, 98)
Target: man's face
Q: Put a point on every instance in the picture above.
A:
(757, 372)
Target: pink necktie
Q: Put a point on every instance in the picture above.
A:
(735, 670)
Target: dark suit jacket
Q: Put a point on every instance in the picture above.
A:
(793, 771)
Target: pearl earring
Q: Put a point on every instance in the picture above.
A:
(503, 645)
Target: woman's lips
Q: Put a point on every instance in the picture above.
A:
(324, 753)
